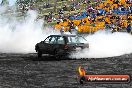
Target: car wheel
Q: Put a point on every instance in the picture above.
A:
(39, 54)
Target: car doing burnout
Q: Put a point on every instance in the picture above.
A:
(61, 45)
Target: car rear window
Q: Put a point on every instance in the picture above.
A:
(74, 39)
(60, 40)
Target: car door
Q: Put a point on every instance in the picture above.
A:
(56, 43)
(59, 43)
(44, 45)
(52, 44)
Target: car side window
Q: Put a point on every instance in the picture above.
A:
(47, 40)
(50, 40)
(60, 40)
(53, 40)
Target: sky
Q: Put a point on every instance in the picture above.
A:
(11, 2)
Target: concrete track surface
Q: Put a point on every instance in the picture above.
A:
(26, 71)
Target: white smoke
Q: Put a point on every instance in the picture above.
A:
(105, 44)
(11, 2)
(20, 36)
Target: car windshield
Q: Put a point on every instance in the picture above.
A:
(76, 39)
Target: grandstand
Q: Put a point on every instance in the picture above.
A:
(86, 16)
(109, 14)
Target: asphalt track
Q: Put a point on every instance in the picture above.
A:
(26, 71)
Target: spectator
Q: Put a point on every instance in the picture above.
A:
(110, 13)
(129, 28)
(62, 30)
(65, 8)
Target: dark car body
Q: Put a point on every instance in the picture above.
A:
(60, 45)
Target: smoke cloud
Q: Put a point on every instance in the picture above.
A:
(106, 44)
(20, 36)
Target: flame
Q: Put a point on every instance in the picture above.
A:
(81, 71)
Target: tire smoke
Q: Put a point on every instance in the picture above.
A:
(106, 44)
(21, 35)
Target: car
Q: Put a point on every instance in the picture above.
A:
(60, 45)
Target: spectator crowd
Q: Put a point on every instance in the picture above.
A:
(114, 15)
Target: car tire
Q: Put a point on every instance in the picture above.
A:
(39, 54)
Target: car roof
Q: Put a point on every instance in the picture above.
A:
(64, 35)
